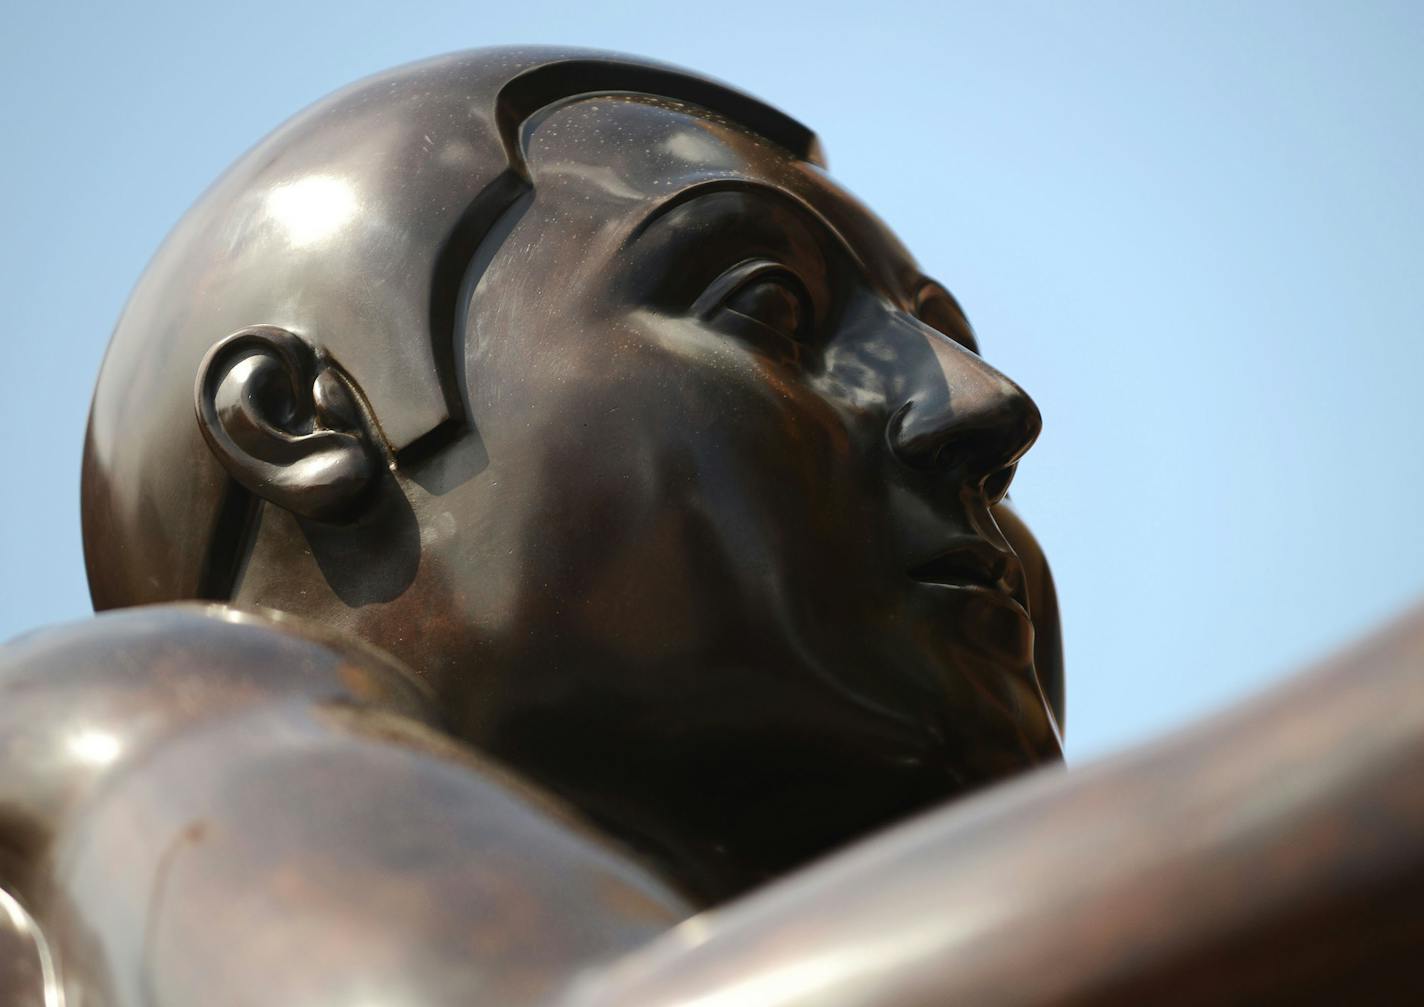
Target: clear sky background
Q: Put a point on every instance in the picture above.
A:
(1194, 232)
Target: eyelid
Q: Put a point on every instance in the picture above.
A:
(933, 288)
(929, 289)
(743, 273)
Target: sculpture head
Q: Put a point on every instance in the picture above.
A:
(577, 384)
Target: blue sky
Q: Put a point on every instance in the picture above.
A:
(1193, 232)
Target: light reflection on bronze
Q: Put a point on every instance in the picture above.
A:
(566, 308)
(604, 519)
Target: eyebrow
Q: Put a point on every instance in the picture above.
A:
(712, 186)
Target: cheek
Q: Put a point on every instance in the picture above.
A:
(671, 471)
(783, 478)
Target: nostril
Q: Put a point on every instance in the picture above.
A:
(976, 426)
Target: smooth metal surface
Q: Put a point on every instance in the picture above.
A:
(203, 806)
(27, 974)
(627, 512)
(577, 385)
(1274, 855)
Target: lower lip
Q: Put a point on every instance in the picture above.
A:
(988, 621)
(991, 594)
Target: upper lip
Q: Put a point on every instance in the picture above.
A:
(976, 563)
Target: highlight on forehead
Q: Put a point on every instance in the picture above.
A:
(641, 147)
(528, 94)
(660, 152)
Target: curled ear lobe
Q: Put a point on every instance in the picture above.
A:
(286, 423)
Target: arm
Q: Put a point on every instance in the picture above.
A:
(203, 807)
(1273, 853)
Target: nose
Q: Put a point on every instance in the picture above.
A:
(961, 416)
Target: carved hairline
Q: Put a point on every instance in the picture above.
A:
(521, 98)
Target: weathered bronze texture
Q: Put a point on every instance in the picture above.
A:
(208, 807)
(580, 512)
(577, 385)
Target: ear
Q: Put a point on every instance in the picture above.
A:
(286, 423)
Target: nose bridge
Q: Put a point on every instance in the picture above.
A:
(960, 413)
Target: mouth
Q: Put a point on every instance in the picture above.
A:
(975, 566)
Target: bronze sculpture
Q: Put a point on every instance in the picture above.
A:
(574, 383)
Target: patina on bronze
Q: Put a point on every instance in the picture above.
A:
(203, 806)
(578, 386)
(574, 383)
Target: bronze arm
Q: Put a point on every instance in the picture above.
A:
(201, 806)
(1273, 854)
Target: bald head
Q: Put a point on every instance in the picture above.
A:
(590, 397)
(352, 226)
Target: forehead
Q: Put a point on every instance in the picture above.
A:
(615, 161)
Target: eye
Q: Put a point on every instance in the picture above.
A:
(771, 301)
(762, 302)
(938, 309)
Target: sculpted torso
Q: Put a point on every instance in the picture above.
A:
(601, 517)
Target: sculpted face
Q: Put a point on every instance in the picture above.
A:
(735, 533)
(719, 553)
